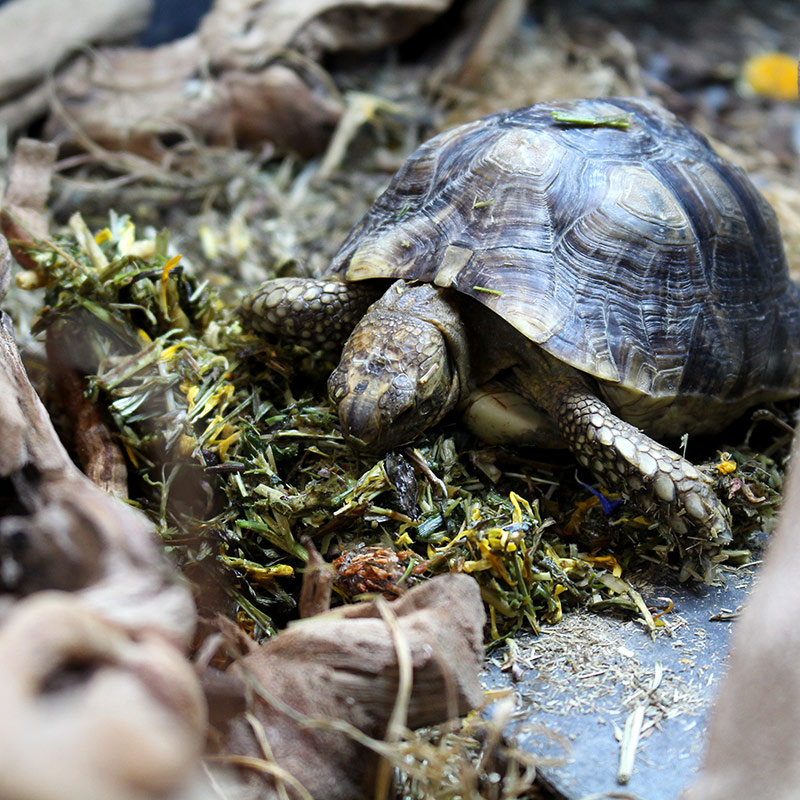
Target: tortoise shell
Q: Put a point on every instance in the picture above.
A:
(629, 250)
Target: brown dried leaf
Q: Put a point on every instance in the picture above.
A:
(337, 670)
(245, 34)
(315, 594)
(37, 35)
(148, 102)
(24, 214)
(99, 453)
(487, 26)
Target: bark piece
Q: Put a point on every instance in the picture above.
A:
(89, 711)
(345, 666)
(5, 272)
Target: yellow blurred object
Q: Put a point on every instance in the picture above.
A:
(771, 75)
(208, 241)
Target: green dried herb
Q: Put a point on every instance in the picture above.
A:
(622, 121)
(236, 456)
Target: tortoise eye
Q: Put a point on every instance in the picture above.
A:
(426, 407)
(337, 386)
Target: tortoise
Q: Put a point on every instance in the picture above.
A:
(586, 273)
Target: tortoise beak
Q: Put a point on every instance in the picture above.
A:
(364, 423)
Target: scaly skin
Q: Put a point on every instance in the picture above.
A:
(657, 480)
(311, 312)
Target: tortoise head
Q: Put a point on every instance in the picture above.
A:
(396, 378)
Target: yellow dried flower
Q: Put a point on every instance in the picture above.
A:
(726, 464)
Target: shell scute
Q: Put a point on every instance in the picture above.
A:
(636, 255)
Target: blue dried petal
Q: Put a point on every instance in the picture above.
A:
(609, 506)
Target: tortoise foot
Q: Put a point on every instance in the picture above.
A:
(308, 311)
(656, 479)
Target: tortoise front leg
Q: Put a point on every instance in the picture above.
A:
(657, 480)
(312, 312)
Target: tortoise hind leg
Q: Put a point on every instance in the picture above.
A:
(657, 480)
(497, 414)
(309, 311)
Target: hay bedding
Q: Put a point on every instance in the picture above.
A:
(258, 142)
